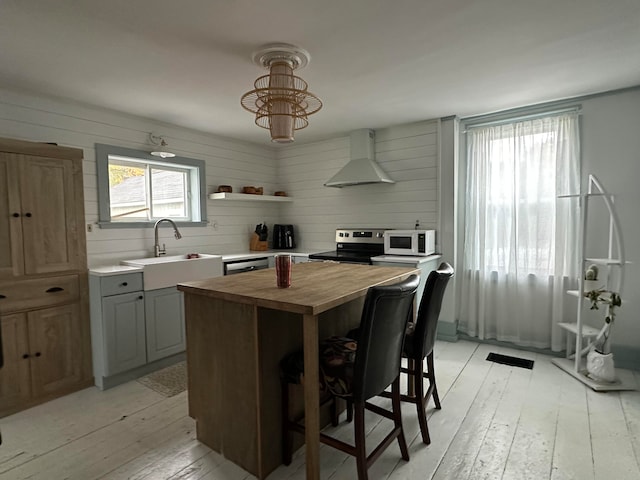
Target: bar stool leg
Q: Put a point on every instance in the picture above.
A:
(432, 380)
(421, 405)
(286, 438)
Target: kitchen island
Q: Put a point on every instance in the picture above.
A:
(238, 329)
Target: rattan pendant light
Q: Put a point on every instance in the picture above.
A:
(281, 101)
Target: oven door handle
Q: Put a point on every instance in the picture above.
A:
(242, 266)
(245, 269)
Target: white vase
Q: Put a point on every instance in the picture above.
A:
(590, 285)
(600, 366)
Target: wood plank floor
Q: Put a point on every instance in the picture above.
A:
(496, 422)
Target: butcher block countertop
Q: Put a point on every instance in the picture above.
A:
(315, 286)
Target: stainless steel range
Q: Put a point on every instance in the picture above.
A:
(355, 245)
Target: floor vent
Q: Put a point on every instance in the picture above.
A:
(512, 361)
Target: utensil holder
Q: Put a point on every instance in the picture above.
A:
(257, 245)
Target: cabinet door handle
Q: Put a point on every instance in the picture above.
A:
(16, 214)
(28, 214)
(25, 356)
(55, 289)
(124, 284)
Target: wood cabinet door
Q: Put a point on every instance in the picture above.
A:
(56, 341)
(11, 264)
(15, 384)
(49, 220)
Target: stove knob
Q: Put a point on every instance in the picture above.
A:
(341, 234)
(346, 234)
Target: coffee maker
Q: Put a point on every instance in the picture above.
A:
(283, 237)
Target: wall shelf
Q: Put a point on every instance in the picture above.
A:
(247, 197)
(604, 261)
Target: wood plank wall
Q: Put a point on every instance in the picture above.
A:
(409, 153)
(236, 163)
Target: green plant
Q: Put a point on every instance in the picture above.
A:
(612, 301)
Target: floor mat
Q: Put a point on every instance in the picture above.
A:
(512, 361)
(169, 381)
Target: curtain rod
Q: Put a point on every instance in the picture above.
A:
(519, 118)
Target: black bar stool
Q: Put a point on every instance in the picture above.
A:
(357, 371)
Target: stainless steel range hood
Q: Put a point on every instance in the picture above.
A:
(362, 168)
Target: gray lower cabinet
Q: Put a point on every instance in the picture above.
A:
(124, 332)
(117, 324)
(165, 323)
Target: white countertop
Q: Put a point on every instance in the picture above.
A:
(266, 253)
(247, 255)
(113, 270)
(416, 260)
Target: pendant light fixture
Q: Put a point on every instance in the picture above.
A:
(280, 100)
(159, 141)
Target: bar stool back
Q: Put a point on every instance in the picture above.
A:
(357, 371)
(419, 343)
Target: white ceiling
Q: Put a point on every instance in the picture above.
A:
(374, 63)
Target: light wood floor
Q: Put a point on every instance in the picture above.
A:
(497, 422)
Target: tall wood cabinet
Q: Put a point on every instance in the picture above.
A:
(43, 274)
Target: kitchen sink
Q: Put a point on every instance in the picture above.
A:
(167, 271)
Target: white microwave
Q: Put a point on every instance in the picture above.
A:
(410, 242)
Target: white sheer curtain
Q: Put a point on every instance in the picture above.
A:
(520, 239)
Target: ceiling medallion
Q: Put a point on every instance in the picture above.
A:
(280, 100)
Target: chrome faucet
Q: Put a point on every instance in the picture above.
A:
(163, 251)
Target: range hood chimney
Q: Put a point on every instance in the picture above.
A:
(362, 168)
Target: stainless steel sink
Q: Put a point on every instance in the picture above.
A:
(167, 271)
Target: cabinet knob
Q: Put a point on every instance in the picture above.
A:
(38, 354)
(16, 215)
(54, 289)
(2, 296)
(28, 214)
(26, 355)
(140, 297)
(124, 284)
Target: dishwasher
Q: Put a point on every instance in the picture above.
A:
(231, 267)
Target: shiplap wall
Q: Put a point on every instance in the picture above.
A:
(408, 153)
(36, 118)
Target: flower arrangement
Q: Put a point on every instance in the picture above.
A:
(611, 300)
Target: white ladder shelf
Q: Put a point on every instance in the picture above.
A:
(613, 270)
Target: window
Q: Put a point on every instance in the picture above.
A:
(135, 189)
(516, 171)
(519, 203)
(519, 252)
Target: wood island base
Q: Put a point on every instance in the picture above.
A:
(233, 355)
(239, 327)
